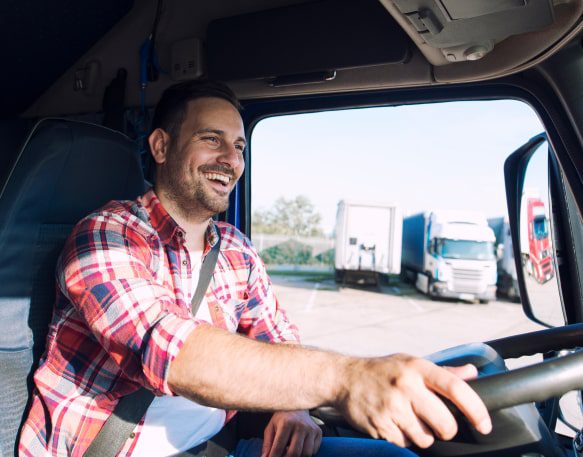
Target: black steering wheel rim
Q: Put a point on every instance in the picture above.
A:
(534, 383)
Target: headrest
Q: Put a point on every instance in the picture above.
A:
(65, 170)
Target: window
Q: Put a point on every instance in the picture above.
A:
(403, 161)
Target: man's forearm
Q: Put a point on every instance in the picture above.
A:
(394, 397)
(226, 370)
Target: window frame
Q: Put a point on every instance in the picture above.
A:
(533, 91)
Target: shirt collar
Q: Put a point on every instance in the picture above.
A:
(168, 230)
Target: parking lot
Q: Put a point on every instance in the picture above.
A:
(371, 321)
(391, 318)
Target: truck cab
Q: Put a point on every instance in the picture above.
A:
(537, 258)
(456, 250)
(74, 68)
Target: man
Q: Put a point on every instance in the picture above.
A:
(122, 321)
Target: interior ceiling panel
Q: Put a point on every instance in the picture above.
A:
(469, 29)
(187, 21)
(41, 40)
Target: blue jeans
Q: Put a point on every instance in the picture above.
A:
(334, 447)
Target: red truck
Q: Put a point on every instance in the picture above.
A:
(536, 253)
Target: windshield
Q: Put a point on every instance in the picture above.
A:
(540, 228)
(465, 249)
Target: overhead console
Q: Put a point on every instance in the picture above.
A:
(304, 43)
(469, 29)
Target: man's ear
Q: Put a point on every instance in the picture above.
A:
(159, 141)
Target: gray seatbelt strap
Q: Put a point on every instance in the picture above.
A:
(131, 408)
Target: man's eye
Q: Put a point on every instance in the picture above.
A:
(240, 147)
(211, 139)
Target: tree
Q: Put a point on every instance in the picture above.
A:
(296, 217)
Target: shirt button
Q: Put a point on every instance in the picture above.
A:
(184, 262)
(132, 435)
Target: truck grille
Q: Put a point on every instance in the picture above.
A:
(468, 281)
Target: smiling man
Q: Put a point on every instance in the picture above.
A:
(123, 322)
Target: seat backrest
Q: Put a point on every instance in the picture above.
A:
(13, 133)
(65, 170)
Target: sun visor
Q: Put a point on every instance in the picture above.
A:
(308, 38)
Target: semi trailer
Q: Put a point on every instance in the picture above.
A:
(367, 241)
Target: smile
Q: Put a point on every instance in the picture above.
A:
(224, 179)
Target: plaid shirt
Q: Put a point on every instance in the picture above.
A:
(123, 312)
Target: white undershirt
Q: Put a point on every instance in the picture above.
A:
(176, 424)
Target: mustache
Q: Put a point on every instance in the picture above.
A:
(223, 169)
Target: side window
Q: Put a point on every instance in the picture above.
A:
(385, 229)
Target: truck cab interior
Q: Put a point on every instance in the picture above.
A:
(80, 79)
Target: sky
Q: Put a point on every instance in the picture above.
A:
(421, 157)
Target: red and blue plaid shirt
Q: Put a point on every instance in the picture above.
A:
(123, 312)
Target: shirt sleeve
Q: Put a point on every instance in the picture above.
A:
(106, 273)
(263, 318)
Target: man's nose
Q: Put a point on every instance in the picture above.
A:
(231, 156)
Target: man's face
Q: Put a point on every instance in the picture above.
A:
(205, 161)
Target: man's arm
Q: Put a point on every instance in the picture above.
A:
(230, 371)
(106, 272)
(387, 397)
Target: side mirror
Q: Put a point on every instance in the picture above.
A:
(529, 208)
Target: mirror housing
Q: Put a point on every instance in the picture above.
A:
(515, 169)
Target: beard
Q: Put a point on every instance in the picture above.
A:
(190, 192)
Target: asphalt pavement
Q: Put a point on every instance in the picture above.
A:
(391, 318)
(373, 321)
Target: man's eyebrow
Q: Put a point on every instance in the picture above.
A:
(217, 132)
(208, 130)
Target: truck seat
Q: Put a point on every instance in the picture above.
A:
(65, 170)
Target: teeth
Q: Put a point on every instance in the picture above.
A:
(217, 177)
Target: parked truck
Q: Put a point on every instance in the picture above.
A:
(367, 241)
(507, 282)
(450, 254)
(535, 247)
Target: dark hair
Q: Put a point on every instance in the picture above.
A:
(171, 109)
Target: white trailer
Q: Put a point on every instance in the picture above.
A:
(450, 254)
(367, 241)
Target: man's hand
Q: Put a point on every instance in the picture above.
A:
(395, 398)
(291, 434)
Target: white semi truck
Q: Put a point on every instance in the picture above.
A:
(367, 241)
(450, 254)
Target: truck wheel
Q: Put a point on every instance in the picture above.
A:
(484, 302)
(338, 276)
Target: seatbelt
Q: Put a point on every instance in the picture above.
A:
(131, 408)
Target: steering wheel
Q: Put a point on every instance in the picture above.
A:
(509, 395)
